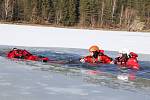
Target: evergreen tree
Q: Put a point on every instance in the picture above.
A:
(86, 13)
(45, 9)
(146, 13)
(51, 12)
(36, 16)
(72, 12)
(18, 10)
(27, 10)
(65, 12)
(94, 7)
(48, 12)
(1, 9)
(107, 12)
(119, 13)
(58, 7)
(15, 12)
(69, 14)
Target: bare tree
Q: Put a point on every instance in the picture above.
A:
(6, 7)
(121, 15)
(129, 16)
(9, 8)
(102, 13)
(113, 9)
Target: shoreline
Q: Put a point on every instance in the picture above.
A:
(71, 27)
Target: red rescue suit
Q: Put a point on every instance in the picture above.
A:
(15, 54)
(128, 62)
(32, 57)
(100, 59)
(121, 60)
(24, 54)
(133, 62)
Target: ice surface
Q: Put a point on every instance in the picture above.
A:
(36, 81)
(21, 82)
(21, 35)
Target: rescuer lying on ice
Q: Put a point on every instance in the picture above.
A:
(127, 59)
(96, 56)
(24, 54)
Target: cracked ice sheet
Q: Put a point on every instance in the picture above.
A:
(20, 82)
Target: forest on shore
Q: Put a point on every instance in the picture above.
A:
(131, 15)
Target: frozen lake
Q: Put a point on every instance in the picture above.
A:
(27, 80)
(67, 78)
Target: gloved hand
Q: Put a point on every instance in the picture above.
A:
(111, 62)
(82, 60)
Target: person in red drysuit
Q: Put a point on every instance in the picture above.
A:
(32, 57)
(127, 59)
(24, 54)
(96, 56)
(122, 58)
(133, 62)
(15, 53)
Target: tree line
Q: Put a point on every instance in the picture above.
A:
(128, 14)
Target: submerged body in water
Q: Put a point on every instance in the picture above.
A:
(93, 77)
(70, 59)
(126, 59)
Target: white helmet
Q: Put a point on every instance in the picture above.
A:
(124, 51)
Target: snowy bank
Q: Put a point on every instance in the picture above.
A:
(35, 36)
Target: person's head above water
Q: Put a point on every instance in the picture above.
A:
(94, 51)
(124, 51)
(14, 48)
(94, 48)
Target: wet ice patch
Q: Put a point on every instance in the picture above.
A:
(26, 93)
(5, 84)
(67, 90)
(42, 84)
(123, 77)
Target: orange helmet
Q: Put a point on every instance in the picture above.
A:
(94, 48)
